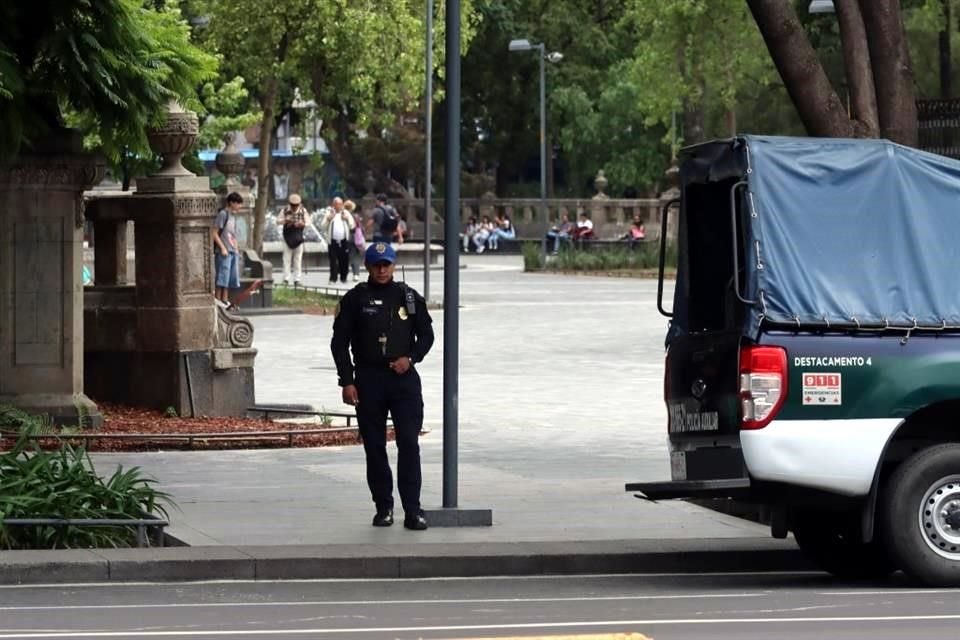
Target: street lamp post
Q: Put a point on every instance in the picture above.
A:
(540, 48)
(428, 177)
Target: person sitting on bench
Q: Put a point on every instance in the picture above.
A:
(584, 230)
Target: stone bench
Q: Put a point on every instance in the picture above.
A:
(515, 245)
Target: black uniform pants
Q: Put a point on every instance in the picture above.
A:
(381, 390)
(339, 253)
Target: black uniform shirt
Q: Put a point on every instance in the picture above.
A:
(379, 324)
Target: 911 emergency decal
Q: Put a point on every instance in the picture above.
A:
(822, 389)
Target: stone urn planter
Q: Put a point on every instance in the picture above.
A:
(173, 138)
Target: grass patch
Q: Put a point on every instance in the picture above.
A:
(304, 299)
(62, 483)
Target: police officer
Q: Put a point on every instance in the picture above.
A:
(388, 328)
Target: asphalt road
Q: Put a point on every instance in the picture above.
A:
(662, 607)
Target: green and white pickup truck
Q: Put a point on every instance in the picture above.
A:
(813, 354)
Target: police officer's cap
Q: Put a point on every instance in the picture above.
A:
(380, 252)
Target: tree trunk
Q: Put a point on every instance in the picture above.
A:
(856, 62)
(946, 65)
(336, 133)
(693, 129)
(694, 113)
(819, 107)
(892, 70)
(268, 104)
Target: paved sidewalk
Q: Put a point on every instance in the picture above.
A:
(560, 405)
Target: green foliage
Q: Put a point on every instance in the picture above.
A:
(605, 130)
(62, 483)
(695, 54)
(326, 419)
(107, 66)
(13, 419)
(923, 23)
(532, 256)
(170, 412)
(226, 107)
(642, 260)
(629, 67)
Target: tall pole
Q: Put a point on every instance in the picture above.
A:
(543, 149)
(451, 259)
(428, 177)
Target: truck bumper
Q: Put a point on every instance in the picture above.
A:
(725, 488)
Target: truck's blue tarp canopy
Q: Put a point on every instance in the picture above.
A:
(850, 232)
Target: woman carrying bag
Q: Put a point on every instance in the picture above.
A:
(359, 242)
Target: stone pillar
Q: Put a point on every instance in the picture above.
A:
(110, 252)
(178, 358)
(600, 211)
(41, 290)
(173, 211)
(672, 176)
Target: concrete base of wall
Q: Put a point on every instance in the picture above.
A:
(62, 409)
(192, 383)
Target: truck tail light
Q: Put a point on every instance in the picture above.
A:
(763, 384)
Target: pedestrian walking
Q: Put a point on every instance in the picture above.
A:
(338, 225)
(293, 219)
(386, 326)
(359, 242)
(384, 221)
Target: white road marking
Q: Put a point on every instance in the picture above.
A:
(891, 592)
(556, 577)
(477, 627)
(324, 603)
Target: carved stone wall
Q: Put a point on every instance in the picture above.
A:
(41, 299)
(163, 342)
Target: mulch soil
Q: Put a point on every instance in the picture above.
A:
(120, 419)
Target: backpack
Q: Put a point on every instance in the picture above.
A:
(390, 220)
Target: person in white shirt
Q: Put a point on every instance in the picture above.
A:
(338, 225)
(584, 228)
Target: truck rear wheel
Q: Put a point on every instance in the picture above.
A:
(832, 541)
(921, 515)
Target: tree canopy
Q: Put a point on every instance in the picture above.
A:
(637, 80)
(109, 65)
(360, 61)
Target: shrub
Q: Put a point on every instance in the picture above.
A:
(610, 258)
(62, 483)
(532, 256)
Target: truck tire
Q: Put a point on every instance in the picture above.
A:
(832, 542)
(921, 515)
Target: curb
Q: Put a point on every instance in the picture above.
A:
(255, 312)
(427, 560)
